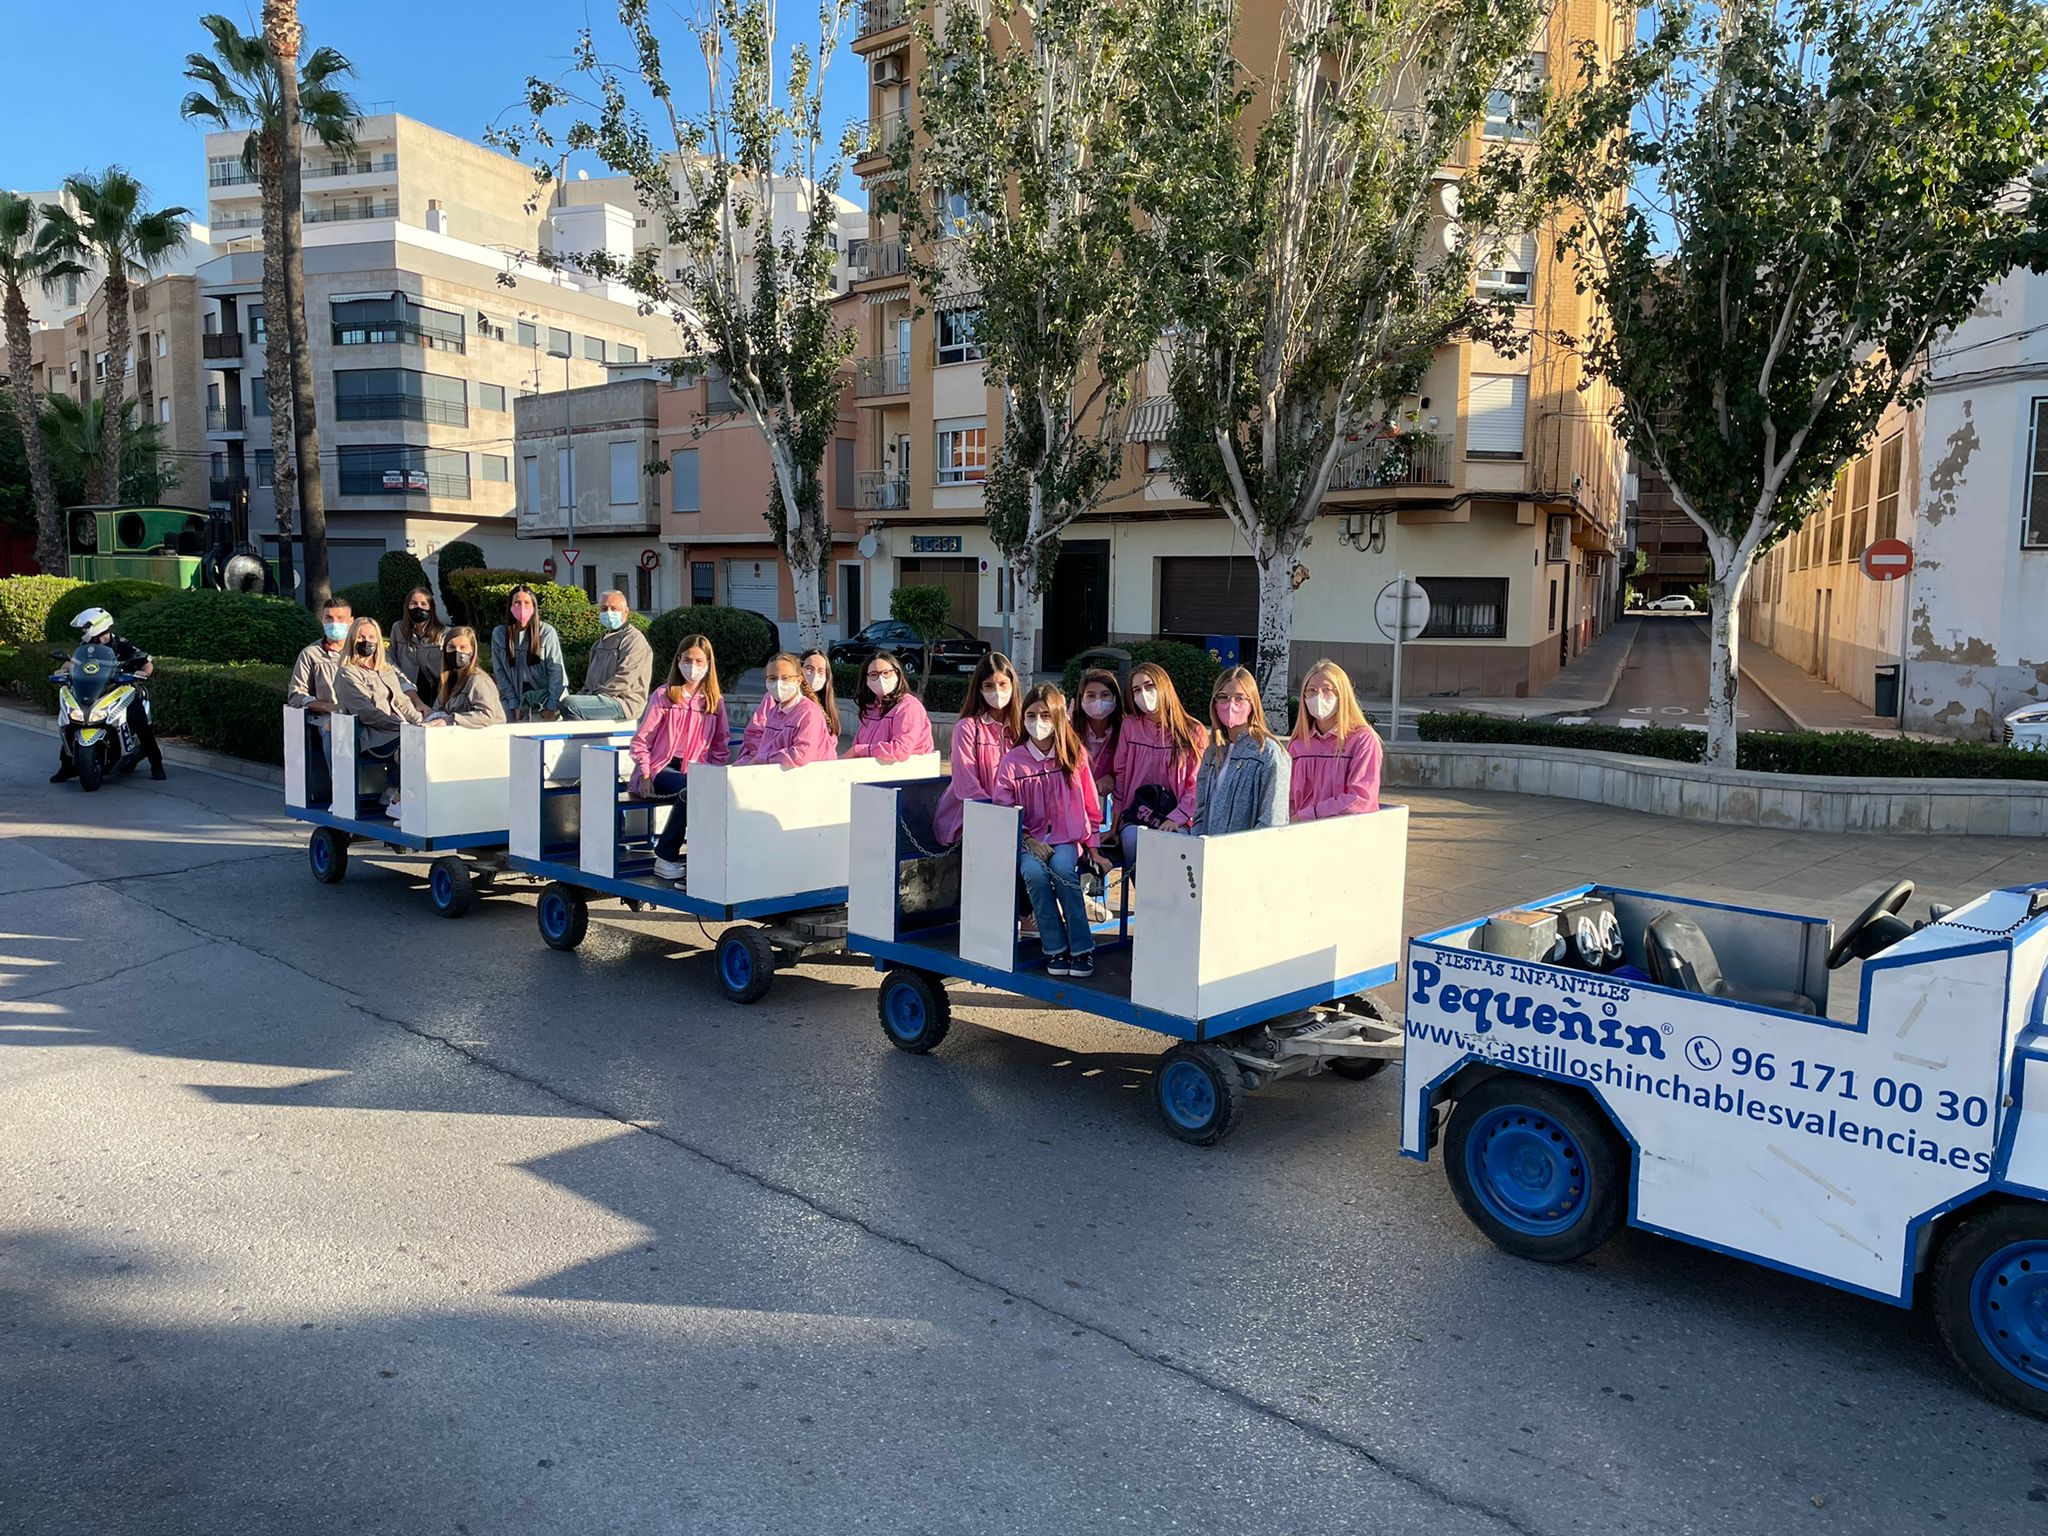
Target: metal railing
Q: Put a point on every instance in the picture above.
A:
(1390, 461)
(374, 333)
(877, 258)
(395, 406)
(885, 132)
(221, 346)
(342, 213)
(370, 482)
(888, 374)
(881, 15)
(224, 418)
(247, 221)
(371, 167)
(230, 176)
(882, 491)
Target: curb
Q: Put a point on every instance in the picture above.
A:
(219, 764)
(1753, 681)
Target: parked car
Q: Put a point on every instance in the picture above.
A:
(2027, 728)
(1677, 602)
(954, 651)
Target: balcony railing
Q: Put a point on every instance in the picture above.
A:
(882, 491)
(247, 221)
(877, 258)
(224, 347)
(885, 132)
(881, 15)
(403, 482)
(397, 331)
(342, 213)
(230, 176)
(224, 418)
(1390, 461)
(370, 167)
(401, 407)
(888, 374)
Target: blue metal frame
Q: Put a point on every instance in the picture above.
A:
(388, 832)
(673, 900)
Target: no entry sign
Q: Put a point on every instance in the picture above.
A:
(1887, 560)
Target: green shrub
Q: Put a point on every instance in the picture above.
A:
(25, 674)
(461, 555)
(466, 589)
(366, 600)
(120, 597)
(741, 639)
(941, 696)
(235, 708)
(397, 574)
(1830, 754)
(576, 653)
(25, 604)
(1193, 670)
(925, 610)
(223, 626)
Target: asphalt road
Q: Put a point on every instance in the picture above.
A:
(1665, 682)
(320, 1214)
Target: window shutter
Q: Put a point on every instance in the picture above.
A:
(1495, 410)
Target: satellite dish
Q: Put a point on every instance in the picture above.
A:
(870, 546)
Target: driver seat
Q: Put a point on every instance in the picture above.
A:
(1681, 957)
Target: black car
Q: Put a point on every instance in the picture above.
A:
(955, 650)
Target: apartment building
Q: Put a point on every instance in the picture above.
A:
(1674, 549)
(426, 322)
(1506, 502)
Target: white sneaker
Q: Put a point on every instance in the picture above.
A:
(670, 869)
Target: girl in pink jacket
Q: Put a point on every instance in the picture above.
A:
(1158, 748)
(893, 724)
(789, 728)
(684, 724)
(1098, 717)
(1047, 778)
(1336, 751)
(991, 726)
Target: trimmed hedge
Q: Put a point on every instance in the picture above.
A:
(1828, 754)
(366, 600)
(120, 597)
(25, 604)
(25, 673)
(223, 626)
(741, 639)
(944, 695)
(236, 708)
(458, 555)
(1193, 670)
(465, 592)
(397, 574)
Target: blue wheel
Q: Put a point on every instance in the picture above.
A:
(327, 855)
(746, 964)
(1991, 1302)
(1537, 1168)
(449, 886)
(564, 916)
(1199, 1093)
(915, 1011)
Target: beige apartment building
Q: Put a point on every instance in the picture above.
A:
(1507, 505)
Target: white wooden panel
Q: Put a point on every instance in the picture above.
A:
(457, 782)
(1166, 920)
(762, 833)
(341, 758)
(2029, 1164)
(871, 862)
(295, 757)
(605, 768)
(990, 837)
(524, 838)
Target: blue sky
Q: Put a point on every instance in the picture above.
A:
(457, 64)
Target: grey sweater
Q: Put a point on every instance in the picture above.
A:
(1246, 790)
(621, 666)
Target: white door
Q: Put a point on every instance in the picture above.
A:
(755, 585)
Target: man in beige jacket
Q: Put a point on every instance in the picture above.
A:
(621, 668)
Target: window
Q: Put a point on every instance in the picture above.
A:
(532, 485)
(955, 329)
(163, 411)
(625, 475)
(496, 467)
(163, 344)
(590, 582)
(529, 334)
(956, 216)
(1494, 415)
(1890, 460)
(257, 329)
(558, 342)
(266, 473)
(490, 397)
(1509, 270)
(368, 322)
(593, 348)
(962, 451)
(682, 480)
(1509, 110)
(1549, 624)
(399, 394)
(99, 365)
(643, 590)
(403, 469)
(703, 582)
(565, 478)
(845, 484)
(259, 396)
(625, 353)
(2034, 534)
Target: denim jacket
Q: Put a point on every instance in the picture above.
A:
(1253, 793)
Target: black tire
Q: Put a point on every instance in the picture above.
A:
(1537, 1168)
(1199, 1093)
(449, 886)
(914, 1009)
(564, 915)
(92, 769)
(1991, 1302)
(1358, 1068)
(746, 964)
(327, 855)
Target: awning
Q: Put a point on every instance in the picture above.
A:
(887, 296)
(1149, 420)
(968, 300)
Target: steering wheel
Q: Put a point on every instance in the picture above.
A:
(1879, 919)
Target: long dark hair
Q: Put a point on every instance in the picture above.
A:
(994, 665)
(1067, 750)
(828, 696)
(1114, 724)
(432, 630)
(531, 628)
(454, 679)
(708, 688)
(866, 696)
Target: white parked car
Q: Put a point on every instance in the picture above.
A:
(1677, 602)
(2027, 727)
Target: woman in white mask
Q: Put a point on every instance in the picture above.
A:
(789, 728)
(1336, 751)
(991, 723)
(684, 724)
(818, 678)
(893, 723)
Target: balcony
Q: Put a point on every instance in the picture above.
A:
(867, 259)
(399, 332)
(224, 349)
(343, 213)
(882, 491)
(223, 418)
(230, 176)
(402, 482)
(884, 133)
(401, 407)
(1390, 461)
(376, 166)
(881, 15)
(888, 374)
(244, 221)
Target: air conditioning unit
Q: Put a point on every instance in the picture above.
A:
(1559, 544)
(889, 71)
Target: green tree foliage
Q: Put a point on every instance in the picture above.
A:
(206, 625)
(74, 438)
(122, 597)
(1778, 207)
(925, 610)
(457, 555)
(29, 260)
(398, 572)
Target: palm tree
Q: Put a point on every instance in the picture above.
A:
(26, 261)
(281, 30)
(72, 437)
(238, 88)
(113, 223)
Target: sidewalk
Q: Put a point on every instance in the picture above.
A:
(1812, 704)
(1581, 688)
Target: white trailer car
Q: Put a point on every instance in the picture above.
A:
(1719, 1104)
(764, 842)
(1250, 950)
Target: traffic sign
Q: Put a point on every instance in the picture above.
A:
(1402, 609)
(570, 555)
(1887, 560)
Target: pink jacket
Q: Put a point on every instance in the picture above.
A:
(789, 734)
(1143, 757)
(1332, 777)
(978, 747)
(890, 736)
(1058, 807)
(686, 733)
(1101, 750)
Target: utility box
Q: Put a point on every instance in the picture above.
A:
(1888, 690)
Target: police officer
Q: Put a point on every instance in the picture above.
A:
(95, 626)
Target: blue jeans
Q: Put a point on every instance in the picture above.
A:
(590, 706)
(1054, 887)
(669, 784)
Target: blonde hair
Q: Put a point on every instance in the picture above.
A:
(454, 678)
(1183, 734)
(708, 688)
(1349, 717)
(1255, 722)
(355, 633)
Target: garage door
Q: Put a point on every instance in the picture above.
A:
(1208, 595)
(755, 585)
(961, 580)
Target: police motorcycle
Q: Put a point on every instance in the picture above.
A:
(94, 704)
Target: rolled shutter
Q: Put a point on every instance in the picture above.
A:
(1495, 412)
(1208, 595)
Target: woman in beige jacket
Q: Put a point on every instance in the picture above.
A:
(468, 696)
(368, 687)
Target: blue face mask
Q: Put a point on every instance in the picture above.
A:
(610, 618)
(335, 631)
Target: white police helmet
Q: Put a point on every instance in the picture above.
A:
(93, 624)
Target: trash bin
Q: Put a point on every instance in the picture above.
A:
(1888, 690)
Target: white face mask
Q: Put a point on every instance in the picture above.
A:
(815, 678)
(882, 687)
(996, 696)
(1147, 699)
(1039, 727)
(1321, 705)
(1097, 708)
(785, 689)
(693, 671)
